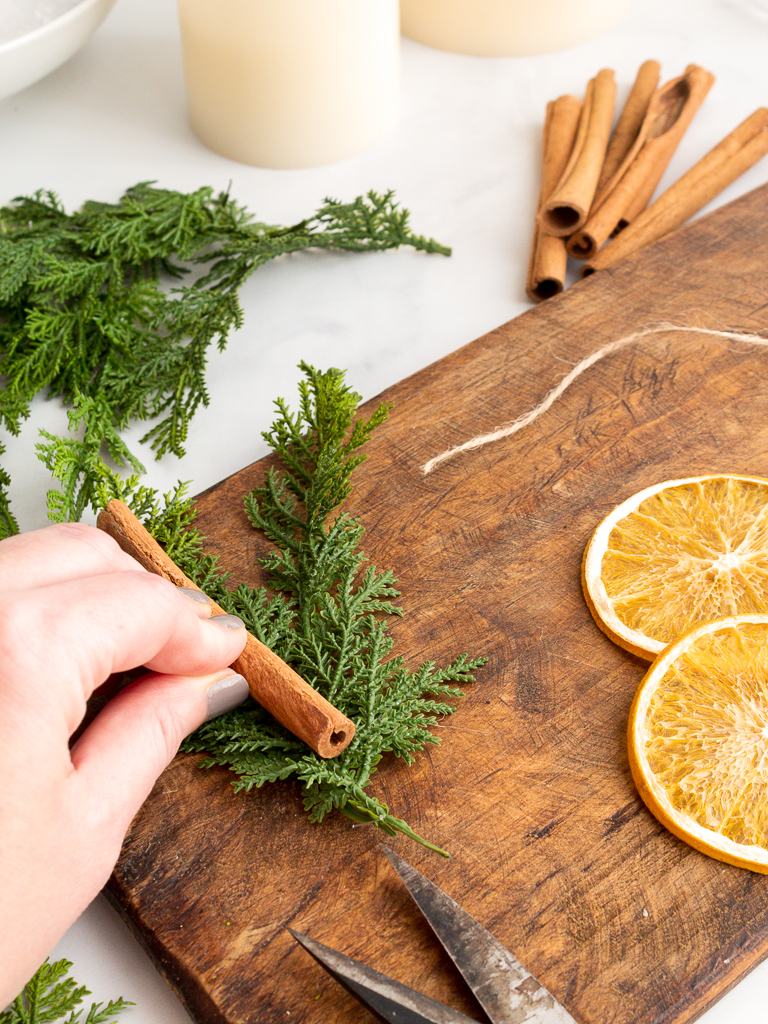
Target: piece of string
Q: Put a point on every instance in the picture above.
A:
(530, 417)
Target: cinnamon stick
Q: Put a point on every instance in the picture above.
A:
(730, 158)
(627, 130)
(567, 208)
(546, 269)
(280, 690)
(669, 114)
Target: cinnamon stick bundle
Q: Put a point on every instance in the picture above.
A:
(567, 208)
(546, 270)
(280, 690)
(670, 112)
(730, 158)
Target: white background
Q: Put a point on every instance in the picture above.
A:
(464, 160)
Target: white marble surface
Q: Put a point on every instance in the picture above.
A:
(464, 160)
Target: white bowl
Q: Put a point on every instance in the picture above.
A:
(31, 57)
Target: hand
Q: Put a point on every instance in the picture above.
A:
(74, 608)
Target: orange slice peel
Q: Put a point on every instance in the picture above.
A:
(678, 554)
(698, 739)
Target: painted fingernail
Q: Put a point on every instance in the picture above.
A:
(229, 621)
(224, 695)
(195, 595)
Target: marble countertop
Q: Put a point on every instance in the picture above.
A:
(464, 160)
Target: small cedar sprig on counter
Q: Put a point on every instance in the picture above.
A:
(116, 306)
(52, 995)
(327, 616)
(8, 524)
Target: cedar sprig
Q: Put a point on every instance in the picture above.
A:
(52, 995)
(119, 303)
(328, 615)
(77, 462)
(373, 222)
(8, 523)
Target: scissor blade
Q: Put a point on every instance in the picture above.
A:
(388, 1000)
(507, 992)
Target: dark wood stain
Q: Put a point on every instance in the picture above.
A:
(530, 790)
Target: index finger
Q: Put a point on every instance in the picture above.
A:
(58, 554)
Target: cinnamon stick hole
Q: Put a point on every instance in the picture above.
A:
(582, 247)
(547, 287)
(563, 216)
(338, 737)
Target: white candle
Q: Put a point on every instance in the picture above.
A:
(508, 28)
(291, 83)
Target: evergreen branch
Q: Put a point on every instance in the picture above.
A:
(78, 462)
(8, 524)
(51, 994)
(85, 305)
(328, 616)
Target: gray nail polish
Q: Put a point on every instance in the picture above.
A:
(229, 621)
(194, 595)
(225, 694)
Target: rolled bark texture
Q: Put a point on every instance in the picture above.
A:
(627, 193)
(546, 269)
(729, 159)
(567, 208)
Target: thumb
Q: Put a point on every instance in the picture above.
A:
(119, 757)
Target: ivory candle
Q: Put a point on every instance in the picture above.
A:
(291, 83)
(508, 28)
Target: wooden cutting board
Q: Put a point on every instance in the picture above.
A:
(530, 790)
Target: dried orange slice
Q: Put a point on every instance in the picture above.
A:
(678, 554)
(698, 739)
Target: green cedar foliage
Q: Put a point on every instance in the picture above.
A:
(86, 314)
(76, 461)
(8, 524)
(327, 615)
(53, 996)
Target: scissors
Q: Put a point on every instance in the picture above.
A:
(507, 992)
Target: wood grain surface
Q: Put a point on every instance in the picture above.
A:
(530, 789)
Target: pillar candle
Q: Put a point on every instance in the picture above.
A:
(508, 28)
(291, 83)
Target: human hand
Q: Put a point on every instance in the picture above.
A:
(75, 608)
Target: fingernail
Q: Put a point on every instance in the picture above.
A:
(194, 595)
(229, 621)
(225, 694)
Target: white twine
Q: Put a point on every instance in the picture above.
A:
(557, 392)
